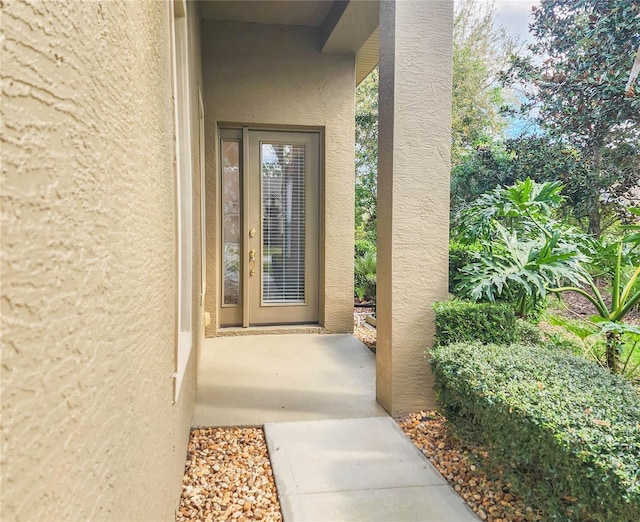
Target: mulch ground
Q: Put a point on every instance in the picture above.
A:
(576, 306)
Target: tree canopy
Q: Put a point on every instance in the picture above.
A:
(575, 79)
(481, 49)
(366, 156)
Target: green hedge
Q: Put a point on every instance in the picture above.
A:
(560, 424)
(527, 333)
(462, 321)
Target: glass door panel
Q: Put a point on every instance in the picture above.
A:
(231, 219)
(283, 211)
(283, 223)
(231, 222)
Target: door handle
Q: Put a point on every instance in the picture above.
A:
(252, 262)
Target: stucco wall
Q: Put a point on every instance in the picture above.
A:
(413, 195)
(258, 74)
(199, 242)
(88, 268)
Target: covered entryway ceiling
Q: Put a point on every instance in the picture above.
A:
(345, 27)
(311, 13)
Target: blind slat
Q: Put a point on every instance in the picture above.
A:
(283, 223)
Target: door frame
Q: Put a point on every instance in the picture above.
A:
(241, 133)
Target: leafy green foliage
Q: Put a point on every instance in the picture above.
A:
(366, 187)
(363, 246)
(580, 329)
(547, 158)
(480, 169)
(462, 321)
(367, 157)
(578, 90)
(551, 158)
(365, 276)
(623, 300)
(459, 256)
(523, 249)
(584, 339)
(604, 260)
(526, 208)
(562, 427)
(524, 269)
(527, 333)
(630, 358)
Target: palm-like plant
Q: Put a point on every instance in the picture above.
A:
(624, 296)
(365, 275)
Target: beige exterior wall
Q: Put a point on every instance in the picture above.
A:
(271, 75)
(198, 147)
(88, 266)
(413, 195)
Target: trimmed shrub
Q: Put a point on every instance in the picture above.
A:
(563, 426)
(463, 321)
(527, 333)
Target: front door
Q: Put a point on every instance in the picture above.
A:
(270, 187)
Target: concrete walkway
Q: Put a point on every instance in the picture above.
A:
(357, 470)
(250, 380)
(336, 454)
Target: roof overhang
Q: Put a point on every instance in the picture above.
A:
(347, 27)
(368, 56)
(351, 27)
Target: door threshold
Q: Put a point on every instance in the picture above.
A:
(232, 331)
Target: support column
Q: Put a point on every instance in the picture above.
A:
(413, 195)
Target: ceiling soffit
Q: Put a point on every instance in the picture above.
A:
(311, 13)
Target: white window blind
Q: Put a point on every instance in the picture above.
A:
(283, 222)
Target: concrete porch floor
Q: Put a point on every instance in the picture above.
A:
(335, 453)
(255, 379)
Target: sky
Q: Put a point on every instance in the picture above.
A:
(514, 15)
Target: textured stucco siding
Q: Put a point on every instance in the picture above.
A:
(198, 218)
(413, 195)
(88, 270)
(257, 74)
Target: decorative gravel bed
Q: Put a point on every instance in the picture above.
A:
(364, 332)
(491, 498)
(228, 476)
